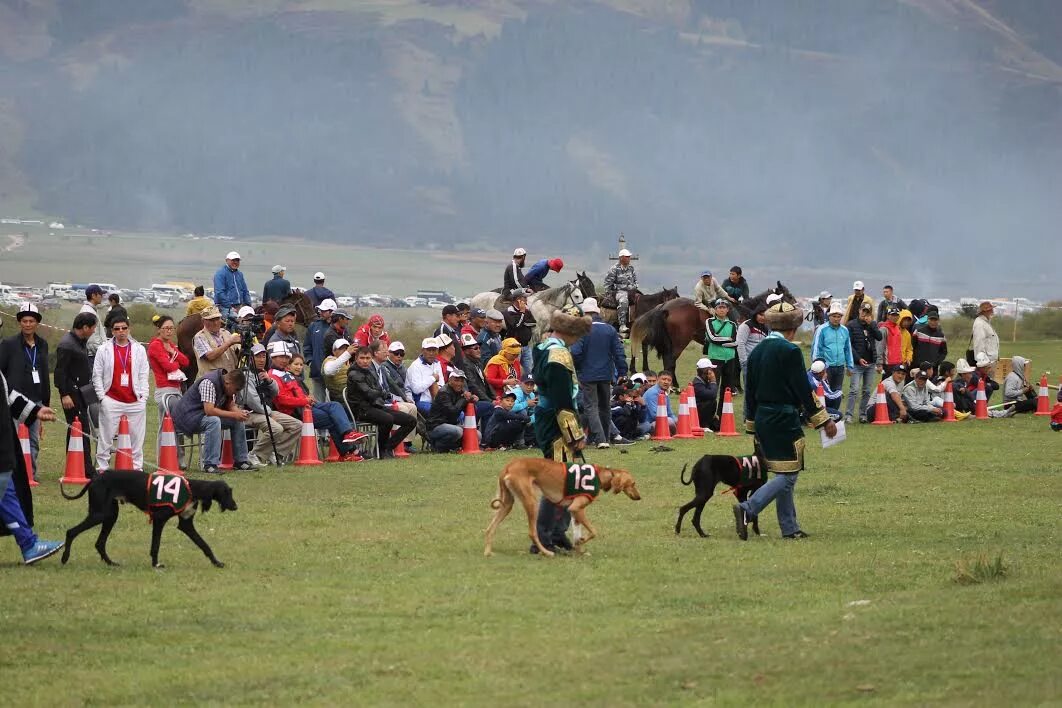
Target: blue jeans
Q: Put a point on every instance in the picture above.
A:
(525, 360)
(445, 437)
(331, 416)
(211, 427)
(779, 489)
(11, 513)
(861, 378)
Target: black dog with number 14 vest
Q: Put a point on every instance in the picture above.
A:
(743, 474)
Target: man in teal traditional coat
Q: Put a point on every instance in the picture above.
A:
(557, 428)
(776, 392)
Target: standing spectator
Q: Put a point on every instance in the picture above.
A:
(863, 334)
(451, 328)
(855, 301)
(504, 369)
(888, 299)
(476, 380)
(215, 348)
(24, 363)
(425, 376)
(535, 278)
(198, 303)
(599, 361)
(337, 330)
(372, 331)
(736, 287)
(445, 414)
(283, 330)
(513, 278)
(705, 392)
(906, 342)
(120, 378)
(833, 345)
(370, 402)
(749, 334)
(314, 347)
(1016, 388)
(620, 281)
(929, 341)
(114, 311)
(720, 345)
(93, 298)
(820, 309)
(890, 346)
(520, 325)
(916, 397)
(983, 339)
(278, 288)
(230, 289)
(286, 430)
(166, 362)
(210, 406)
(652, 400)
(489, 337)
(319, 293)
(73, 381)
(707, 292)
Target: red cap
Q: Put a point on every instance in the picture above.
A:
(556, 264)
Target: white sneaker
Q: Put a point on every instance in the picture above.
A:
(253, 459)
(603, 446)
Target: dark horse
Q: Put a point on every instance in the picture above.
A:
(187, 327)
(643, 304)
(669, 328)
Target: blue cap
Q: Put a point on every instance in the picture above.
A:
(705, 272)
(93, 290)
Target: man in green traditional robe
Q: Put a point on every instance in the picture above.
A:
(557, 428)
(777, 391)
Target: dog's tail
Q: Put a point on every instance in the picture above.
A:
(76, 496)
(682, 475)
(496, 502)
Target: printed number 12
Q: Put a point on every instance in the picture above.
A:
(585, 480)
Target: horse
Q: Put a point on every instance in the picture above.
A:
(494, 299)
(670, 327)
(642, 304)
(543, 304)
(188, 326)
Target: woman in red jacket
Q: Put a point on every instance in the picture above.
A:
(503, 370)
(166, 362)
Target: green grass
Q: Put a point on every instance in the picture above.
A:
(366, 584)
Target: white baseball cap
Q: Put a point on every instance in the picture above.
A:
(429, 343)
(279, 268)
(327, 304)
(244, 311)
(825, 294)
(590, 305)
(625, 252)
(519, 252)
(702, 363)
(857, 285)
(340, 343)
(318, 275)
(233, 256)
(396, 347)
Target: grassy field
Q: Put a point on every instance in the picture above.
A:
(366, 584)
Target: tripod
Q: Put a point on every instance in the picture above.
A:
(251, 372)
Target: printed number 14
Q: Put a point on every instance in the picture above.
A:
(171, 487)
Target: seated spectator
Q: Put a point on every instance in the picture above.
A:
(506, 428)
(286, 430)
(1017, 390)
(489, 338)
(447, 412)
(292, 399)
(371, 403)
(526, 396)
(985, 367)
(198, 304)
(628, 415)
(819, 374)
(464, 312)
(372, 331)
(393, 385)
(916, 398)
(207, 407)
(1056, 413)
(334, 368)
(504, 370)
(447, 354)
(396, 369)
(893, 384)
(450, 325)
(651, 397)
(476, 380)
(961, 390)
(424, 376)
(705, 390)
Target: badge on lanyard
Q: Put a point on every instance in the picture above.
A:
(124, 379)
(36, 376)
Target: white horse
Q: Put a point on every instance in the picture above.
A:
(484, 301)
(543, 304)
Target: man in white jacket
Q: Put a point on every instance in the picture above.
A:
(120, 378)
(984, 338)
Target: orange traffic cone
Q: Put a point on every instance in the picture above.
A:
(470, 436)
(981, 402)
(24, 441)
(684, 430)
(663, 429)
(949, 404)
(881, 407)
(308, 442)
(123, 459)
(226, 450)
(333, 451)
(74, 472)
(168, 463)
(695, 416)
(1043, 401)
(726, 423)
(400, 449)
(820, 393)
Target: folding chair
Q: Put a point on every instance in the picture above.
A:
(371, 441)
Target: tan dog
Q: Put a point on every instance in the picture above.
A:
(559, 483)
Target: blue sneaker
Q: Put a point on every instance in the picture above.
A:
(41, 550)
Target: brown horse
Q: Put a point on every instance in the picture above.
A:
(642, 304)
(669, 328)
(187, 327)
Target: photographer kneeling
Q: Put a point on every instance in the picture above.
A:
(286, 430)
(207, 407)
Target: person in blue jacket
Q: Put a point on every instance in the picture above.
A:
(599, 362)
(536, 274)
(230, 289)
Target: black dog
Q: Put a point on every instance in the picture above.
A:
(745, 474)
(160, 496)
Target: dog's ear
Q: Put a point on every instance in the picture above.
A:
(619, 480)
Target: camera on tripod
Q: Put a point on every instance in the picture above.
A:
(249, 328)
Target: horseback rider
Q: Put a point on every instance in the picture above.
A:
(230, 289)
(706, 292)
(537, 273)
(620, 282)
(278, 288)
(514, 273)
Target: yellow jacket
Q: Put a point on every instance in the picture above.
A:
(197, 304)
(906, 346)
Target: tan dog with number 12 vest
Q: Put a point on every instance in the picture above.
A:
(573, 486)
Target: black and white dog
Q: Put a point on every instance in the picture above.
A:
(744, 474)
(161, 496)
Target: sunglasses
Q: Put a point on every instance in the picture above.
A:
(121, 329)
